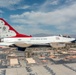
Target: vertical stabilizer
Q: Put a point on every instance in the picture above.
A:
(7, 30)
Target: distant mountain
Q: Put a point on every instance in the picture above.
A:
(41, 35)
(73, 35)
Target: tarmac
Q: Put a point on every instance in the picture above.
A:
(43, 65)
(43, 70)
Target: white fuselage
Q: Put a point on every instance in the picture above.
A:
(36, 40)
(16, 38)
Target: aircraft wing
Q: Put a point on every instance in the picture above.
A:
(20, 44)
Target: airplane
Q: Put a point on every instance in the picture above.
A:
(9, 36)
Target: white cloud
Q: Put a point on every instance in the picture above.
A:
(24, 7)
(47, 5)
(69, 1)
(64, 19)
(29, 30)
(1, 12)
(57, 17)
(54, 2)
(16, 4)
(8, 3)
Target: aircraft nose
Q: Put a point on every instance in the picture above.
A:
(74, 41)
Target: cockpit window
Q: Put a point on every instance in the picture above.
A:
(65, 36)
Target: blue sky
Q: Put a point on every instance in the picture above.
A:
(40, 16)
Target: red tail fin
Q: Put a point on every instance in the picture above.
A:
(8, 31)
